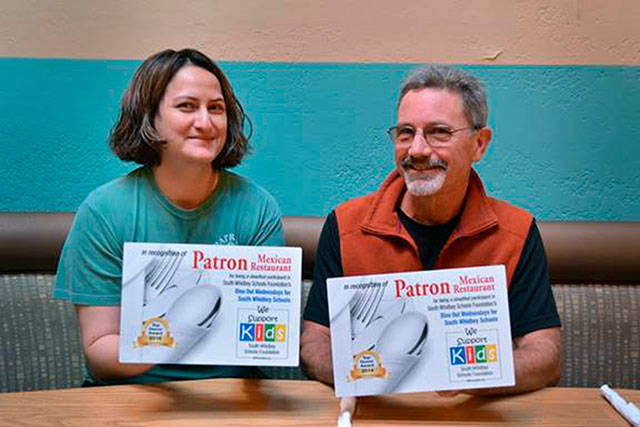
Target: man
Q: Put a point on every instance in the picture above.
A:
(431, 212)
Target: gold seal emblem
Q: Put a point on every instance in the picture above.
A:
(367, 364)
(155, 332)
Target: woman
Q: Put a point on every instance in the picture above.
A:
(179, 119)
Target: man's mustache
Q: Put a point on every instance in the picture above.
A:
(410, 161)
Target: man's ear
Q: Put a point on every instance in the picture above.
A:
(481, 141)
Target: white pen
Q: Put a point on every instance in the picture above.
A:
(628, 410)
(347, 408)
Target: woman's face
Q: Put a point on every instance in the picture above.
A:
(192, 117)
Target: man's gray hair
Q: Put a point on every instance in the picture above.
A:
(474, 95)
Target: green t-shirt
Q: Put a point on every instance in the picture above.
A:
(132, 209)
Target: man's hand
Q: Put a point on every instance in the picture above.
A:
(537, 358)
(315, 352)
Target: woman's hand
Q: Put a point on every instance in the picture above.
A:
(100, 331)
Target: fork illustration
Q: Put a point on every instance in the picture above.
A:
(371, 315)
(158, 277)
(363, 308)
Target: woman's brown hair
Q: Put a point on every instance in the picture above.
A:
(134, 137)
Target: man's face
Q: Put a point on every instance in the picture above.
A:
(428, 170)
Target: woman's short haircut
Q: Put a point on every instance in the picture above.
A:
(134, 137)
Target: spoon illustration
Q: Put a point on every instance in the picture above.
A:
(399, 347)
(190, 317)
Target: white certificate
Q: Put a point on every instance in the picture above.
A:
(208, 304)
(420, 331)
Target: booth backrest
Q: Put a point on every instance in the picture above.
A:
(581, 252)
(594, 269)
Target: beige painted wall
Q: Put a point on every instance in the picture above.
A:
(456, 31)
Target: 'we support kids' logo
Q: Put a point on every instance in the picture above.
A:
(472, 354)
(262, 333)
(473, 346)
(265, 332)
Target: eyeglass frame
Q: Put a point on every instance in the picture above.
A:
(428, 139)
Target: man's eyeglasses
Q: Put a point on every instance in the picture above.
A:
(436, 136)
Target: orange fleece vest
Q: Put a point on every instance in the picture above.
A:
(373, 240)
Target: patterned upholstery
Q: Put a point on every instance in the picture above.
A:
(41, 346)
(601, 334)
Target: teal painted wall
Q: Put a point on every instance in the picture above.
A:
(566, 137)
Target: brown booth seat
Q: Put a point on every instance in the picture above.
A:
(594, 267)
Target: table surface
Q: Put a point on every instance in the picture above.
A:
(300, 403)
